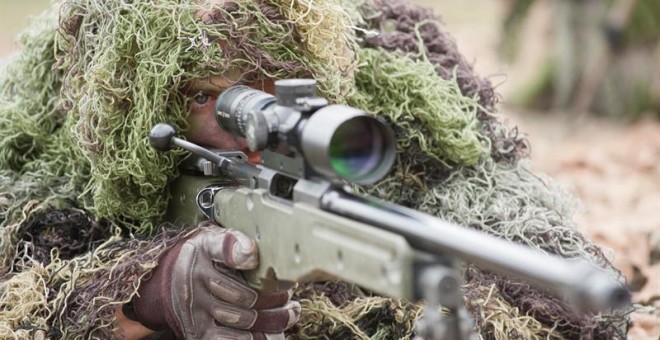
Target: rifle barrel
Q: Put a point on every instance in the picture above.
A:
(580, 281)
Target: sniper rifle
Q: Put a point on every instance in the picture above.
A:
(309, 226)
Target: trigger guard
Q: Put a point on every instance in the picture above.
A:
(205, 201)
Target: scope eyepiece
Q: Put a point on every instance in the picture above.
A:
(234, 105)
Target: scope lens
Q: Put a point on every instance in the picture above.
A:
(357, 148)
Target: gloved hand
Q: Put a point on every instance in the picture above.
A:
(197, 292)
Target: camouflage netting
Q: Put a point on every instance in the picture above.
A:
(82, 193)
(338, 310)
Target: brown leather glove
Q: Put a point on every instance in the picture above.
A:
(196, 291)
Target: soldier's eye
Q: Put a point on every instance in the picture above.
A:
(201, 98)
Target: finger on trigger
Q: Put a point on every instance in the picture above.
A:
(236, 291)
(277, 320)
(266, 300)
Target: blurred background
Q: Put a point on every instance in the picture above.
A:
(582, 79)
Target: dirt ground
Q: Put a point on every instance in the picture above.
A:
(614, 168)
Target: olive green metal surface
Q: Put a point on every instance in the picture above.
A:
(300, 243)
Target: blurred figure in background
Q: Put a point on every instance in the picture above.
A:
(600, 56)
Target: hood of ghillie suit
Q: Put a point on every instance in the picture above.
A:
(77, 104)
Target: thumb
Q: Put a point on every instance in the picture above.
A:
(231, 248)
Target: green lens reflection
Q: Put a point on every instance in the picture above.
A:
(356, 148)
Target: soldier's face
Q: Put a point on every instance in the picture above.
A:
(203, 126)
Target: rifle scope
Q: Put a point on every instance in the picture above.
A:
(336, 141)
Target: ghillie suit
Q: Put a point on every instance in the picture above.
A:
(601, 56)
(82, 194)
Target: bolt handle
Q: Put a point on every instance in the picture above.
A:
(162, 137)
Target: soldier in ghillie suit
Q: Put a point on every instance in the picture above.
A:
(83, 195)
